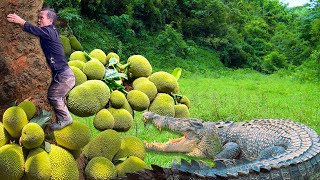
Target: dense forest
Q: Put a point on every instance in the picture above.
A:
(263, 35)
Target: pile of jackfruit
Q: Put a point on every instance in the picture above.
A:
(70, 43)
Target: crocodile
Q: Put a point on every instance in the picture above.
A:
(258, 149)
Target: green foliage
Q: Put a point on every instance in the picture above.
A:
(310, 69)
(273, 62)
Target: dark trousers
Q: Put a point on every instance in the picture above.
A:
(61, 84)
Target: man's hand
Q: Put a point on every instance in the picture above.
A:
(15, 19)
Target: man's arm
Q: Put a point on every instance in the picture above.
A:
(16, 19)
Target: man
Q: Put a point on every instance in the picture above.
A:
(62, 76)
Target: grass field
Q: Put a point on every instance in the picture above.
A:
(239, 95)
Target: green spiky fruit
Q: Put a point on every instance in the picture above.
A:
(29, 108)
(4, 136)
(100, 55)
(94, 69)
(138, 100)
(79, 75)
(139, 80)
(117, 99)
(12, 162)
(75, 44)
(122, 119)
(100, 168)
(63, 165)
(14, 119)
(88, 98)
(163, 104)
(165, 82)
(77, 63)
(38, 166)
(127, 107)
(185, 100)
(32, 136)
(112, 55)
(131, 146)
(78, 55)
(66, 45)
(130, 165)
(139, 66)
(148, 88)
(103, 120)
(181, 111)
(106, 144)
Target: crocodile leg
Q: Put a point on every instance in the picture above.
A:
(230, 150)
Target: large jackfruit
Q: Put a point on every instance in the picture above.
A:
(139, 66)
(32, 136)
(12, 162)
(139, 80)
(103, 120)
(138, 100)
(131, 146)
(79, 75)
(63, 165)
(163, 104)
(147, 87)
(4, 136)
(130, 165)
(100, 55)
(105, 144)
(117, 99)
(74, 136)
(66, 45)
(181, 111)
(88, 98)
(77, 63)
(38, 165)
(75, 44)
(122, 119)
(165, 82)
(94, 69)
(14, 119)
(100, 168)
(29, 108)
(78, 55)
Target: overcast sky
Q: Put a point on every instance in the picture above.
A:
(293, 3)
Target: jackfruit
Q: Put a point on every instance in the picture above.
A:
(163, 104)
(181, 111)
(94, 69)
(148, 88)
(32, 136)
(105, 144)
(138, 81)
(74, 136)
(78, 55)
(100, 55)
(122, 119)
(100, 168)
(14, 119)
(131, 146)
(130, 165)
(12, 162)
(75, 44)
(4, 136)
(29, 108)
(139, 66)
(66, 45)
(138, 100)
(184, 100)
(63, 165)
(165, 82)
(127, 107)
(103, 120)
(79, 75)
(112, 55)
(77, 63)
(38, 166)
(88, 98)
(117, 99)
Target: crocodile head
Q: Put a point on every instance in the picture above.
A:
(199, 138)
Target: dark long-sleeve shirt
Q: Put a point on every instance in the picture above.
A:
(51, 46)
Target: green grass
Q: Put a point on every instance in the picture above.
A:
(239, 95)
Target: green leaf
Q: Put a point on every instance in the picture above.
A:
(177, 73)
(47, 146)
(112, 61)
(42, 119)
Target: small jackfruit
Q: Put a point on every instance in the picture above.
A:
(163, 104)
(38, 166)
(184, 100)
(79, 75)
(94, 69)
(138, 100)
(63, 165)
(100, 55)
(78, 55)
(130, 165)
(29, 108)
(100, 168)
(32, 136)
(139, 66)
(14, 119)
(66, 45)
(122, 119)
(148, 88)
(131, 146)
(12, 162)
(165, 82)
(4, 136)
(181, 111)
(103, 120)
(75, 44)
(117, 99)
(77, 63)
(112, 55)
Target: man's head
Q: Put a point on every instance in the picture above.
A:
(47, 17)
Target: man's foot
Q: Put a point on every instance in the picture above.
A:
(60, 124)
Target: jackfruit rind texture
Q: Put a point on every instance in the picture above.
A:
(138, 100)
(139, 66)
(105, 144)
(100, 168)
(100, 55)
(88, 98)
(163, 104)
(63, 165)
(185, 100)
(38, 165)
(122, 119)
(127, 107)
(148, 88)
(14, 119)
(75, 44)
(117, 99)
(181, 111)
(79, 75)
(12, 162)
(103, 120)
(165, 82)
(131, 146)
(32, 136)
(130, 165)
(73, 137)
(4, 136)
(94, 69)
(138, 81)
(66, 45)
(78, 55)
(29, 108)
(112, 55)
(77, 63)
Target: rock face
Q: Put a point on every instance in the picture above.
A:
(24, 72)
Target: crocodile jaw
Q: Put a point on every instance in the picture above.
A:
(182, 144)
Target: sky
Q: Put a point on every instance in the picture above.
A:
(293, 3)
